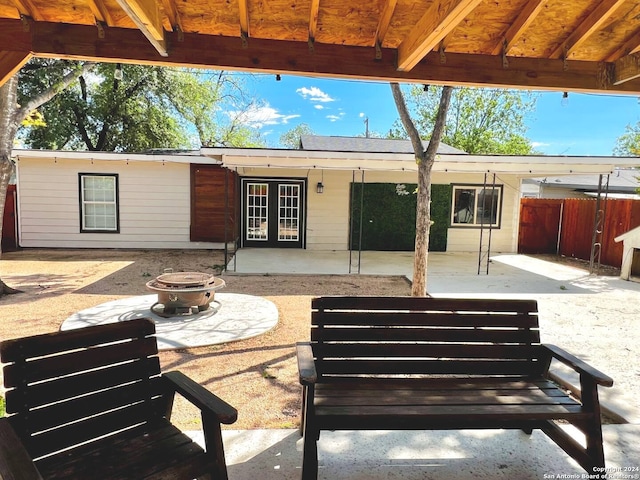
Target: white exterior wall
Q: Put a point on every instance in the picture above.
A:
(328, 213)
(154, 204)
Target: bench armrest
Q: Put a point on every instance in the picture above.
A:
(306, 364)
(15, 461)
(201, 397)
(578, 365)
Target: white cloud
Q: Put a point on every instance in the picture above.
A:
(314, 94)
(258, 116)
(319, 107)
(335, 118)
(540, 144)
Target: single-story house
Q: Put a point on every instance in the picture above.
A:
(622, 183)
(334, 193)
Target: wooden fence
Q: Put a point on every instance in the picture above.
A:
(565, 226)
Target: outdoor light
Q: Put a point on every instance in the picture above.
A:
(117, 74)
(278, 77)
(565, 99)
(319, 187)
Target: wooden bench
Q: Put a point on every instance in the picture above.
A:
(92, 404)
(402, 363)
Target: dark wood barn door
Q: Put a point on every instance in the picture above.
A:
(213, 204)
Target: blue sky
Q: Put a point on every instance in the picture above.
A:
(587, 124)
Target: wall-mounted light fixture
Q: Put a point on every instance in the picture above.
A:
(319, 187)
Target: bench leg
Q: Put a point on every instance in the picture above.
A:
(593, 430)
(528, 430)
(214, 446)
(310, 454)
(303, 410)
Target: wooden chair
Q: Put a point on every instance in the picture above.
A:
(92, 404)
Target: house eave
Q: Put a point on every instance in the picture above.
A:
(522, 165)
(112, 156)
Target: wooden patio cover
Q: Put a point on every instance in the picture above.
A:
(566, 45)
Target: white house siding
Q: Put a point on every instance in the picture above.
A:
(328, 213)
(154, 204)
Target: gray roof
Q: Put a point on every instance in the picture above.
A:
(621, 180)
(363, 144)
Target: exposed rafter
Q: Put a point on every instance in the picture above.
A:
(173, 15)
(384, 21)
(100, 12)
(526, 16)
(440, 18)
(126, 45)
(27, 8)
(596, 18)
(313, 21)
(146, 15)
(632, 45)
(627, 69)
(10, 63)
(243, 12)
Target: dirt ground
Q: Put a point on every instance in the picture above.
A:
(258, 376)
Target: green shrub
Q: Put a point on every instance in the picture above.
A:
(2, 411)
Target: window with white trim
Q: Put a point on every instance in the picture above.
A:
(476, 205)
(99, 203)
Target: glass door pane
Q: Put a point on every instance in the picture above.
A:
(288, 212)
(257, 211)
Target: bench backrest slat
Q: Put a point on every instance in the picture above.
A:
(74, 386)
(385, 336)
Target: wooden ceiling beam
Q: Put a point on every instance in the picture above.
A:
(10, 63)
(627, 69)
(173, 15)
(596, 18)
(526, 16)
(440, 18)
(27, 8)
(384, 21)
(100, 12)
(243, 12)
(313, 21)
(125, 45)
(146, 15)
(632, 45)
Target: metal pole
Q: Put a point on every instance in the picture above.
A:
(226, 216)
(361, 220)
(351, 237)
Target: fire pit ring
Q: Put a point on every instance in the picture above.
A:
(183, 293)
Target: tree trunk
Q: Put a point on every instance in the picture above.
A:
(425, 160)
(11, 115)
(8, 129)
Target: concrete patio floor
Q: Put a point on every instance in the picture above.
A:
(449, 274)
(436, 455)
(271, 454)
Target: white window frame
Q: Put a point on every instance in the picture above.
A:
(473, 210)
(115, 228)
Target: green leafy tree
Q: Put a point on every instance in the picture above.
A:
(628, 144)
(479, 120)
(217, 105)
(131, 108)
(115, 108)
(291, 138)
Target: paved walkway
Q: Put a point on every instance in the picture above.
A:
(232, 317)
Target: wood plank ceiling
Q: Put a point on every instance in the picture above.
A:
(576, 45)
